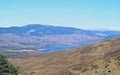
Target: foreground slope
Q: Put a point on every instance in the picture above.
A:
(99, 59)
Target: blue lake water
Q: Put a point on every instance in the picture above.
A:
(56, 48)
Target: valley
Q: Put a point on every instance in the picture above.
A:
(45, 38)
(52, 50)
(101, 58)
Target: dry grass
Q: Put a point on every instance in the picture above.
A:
(98, 59)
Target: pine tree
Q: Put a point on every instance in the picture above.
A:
(6, 68)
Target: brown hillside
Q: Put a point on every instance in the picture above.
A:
(99, 59)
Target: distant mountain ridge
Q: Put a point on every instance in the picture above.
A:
(39, 30)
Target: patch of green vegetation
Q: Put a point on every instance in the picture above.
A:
(6, 68)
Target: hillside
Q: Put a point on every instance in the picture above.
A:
(102, 58)
(36, 37)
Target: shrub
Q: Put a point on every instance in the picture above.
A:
(6, 68)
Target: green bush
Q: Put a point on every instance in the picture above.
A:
(6, 68)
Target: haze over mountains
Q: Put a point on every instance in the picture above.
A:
(36, 37)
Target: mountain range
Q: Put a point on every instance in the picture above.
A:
(36, 37)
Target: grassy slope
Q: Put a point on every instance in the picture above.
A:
(99, 59)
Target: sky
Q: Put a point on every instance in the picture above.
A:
(84, 14)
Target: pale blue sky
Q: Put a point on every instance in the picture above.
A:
(87, 14)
